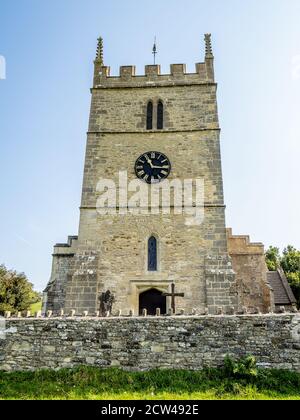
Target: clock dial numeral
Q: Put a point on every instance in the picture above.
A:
(164, 172)
(153, 155)
(141, 173)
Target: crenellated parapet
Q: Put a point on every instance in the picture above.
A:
(204, 73)
(128, 77)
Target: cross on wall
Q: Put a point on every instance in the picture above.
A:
(173, 296)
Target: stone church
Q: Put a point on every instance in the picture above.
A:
(159, 126)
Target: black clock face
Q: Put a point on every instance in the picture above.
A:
(153, 167)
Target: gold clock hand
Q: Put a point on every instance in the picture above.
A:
(160, 167)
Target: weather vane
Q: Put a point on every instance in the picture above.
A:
(154, 51)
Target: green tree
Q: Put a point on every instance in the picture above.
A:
(16, 292)
(273, 258)
(290, 263)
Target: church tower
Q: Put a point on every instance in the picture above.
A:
(160, 128)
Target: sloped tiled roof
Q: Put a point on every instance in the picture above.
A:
(283, 294)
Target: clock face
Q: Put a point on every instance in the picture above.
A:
(153, 167)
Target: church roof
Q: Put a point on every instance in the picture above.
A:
(283, 294)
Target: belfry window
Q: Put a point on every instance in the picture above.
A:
(160, 115)
(152, 254)
(150, 115)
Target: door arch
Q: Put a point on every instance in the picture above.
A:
(151, 300)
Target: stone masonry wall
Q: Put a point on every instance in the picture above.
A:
(186, 108)
(122, 265)
(221, 290)
(56, 289)
(249, 264)
(62, 267)
(146, 343)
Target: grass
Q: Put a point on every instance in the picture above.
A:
(88, 383)
(36, 307)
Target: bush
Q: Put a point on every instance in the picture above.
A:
(16, 292)
(245, 368)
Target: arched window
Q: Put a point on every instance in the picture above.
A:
(150, 115)
(160, 115)
(152, 254)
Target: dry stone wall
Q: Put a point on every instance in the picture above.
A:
(146, 343)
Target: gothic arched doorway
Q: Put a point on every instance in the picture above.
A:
(151, 300)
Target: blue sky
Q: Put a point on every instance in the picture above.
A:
(49, 47)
